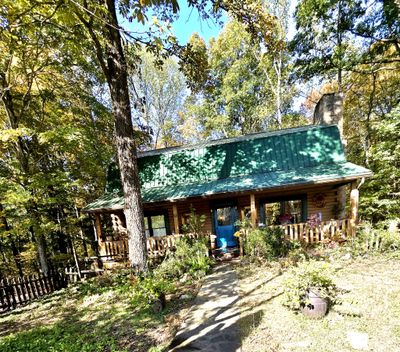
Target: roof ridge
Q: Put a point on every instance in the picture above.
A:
(250, 136)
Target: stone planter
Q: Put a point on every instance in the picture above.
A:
(317, 307)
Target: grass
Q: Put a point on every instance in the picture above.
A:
(72, 320)
(370, 304)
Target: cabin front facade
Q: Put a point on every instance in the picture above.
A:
(273, 178)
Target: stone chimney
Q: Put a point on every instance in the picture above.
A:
(329, 110)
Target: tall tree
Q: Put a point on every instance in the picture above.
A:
(48, 156)
(159, 92)
(334, 36)
(244, 86)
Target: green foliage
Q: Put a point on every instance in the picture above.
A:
(120, 281)
(313, 275)
(149, 288)
(194, 223)
(62, 337)
(190, 256)
(266, 243)
(297, 252)
(244, 87)
(382, 198)
(337, 35)
(54, 134)
(378, 238)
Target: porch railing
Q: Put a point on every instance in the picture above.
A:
(337, 229)
(159, 246)
(156, 246)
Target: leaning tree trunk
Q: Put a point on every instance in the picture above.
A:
(117, 78)
(110, 55)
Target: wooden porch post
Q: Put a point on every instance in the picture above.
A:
(176, 219)
(354, 201)
(253, 210)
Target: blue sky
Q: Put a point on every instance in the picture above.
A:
(189, 22)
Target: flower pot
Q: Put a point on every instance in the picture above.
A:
(317, 306)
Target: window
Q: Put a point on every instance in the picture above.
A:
(225, 216)
(285, 211)
(156, 225)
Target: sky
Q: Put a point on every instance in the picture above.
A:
(189, 22)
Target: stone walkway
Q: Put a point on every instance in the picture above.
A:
(212, 323)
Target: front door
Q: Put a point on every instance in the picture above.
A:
(225, 218)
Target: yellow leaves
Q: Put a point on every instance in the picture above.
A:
(8, 136)
(63, 137)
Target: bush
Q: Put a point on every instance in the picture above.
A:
(148, 289)
(194, 223)
(190, 256)
(267, 243)
(297, 252)
(120, 280)
(313, 275)
(383, 237)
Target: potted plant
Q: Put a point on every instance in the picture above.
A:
(310, 289)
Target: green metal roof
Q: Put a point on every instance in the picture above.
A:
(304, 155)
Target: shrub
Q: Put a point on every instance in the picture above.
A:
(194, 223)
(297, 252)
(382, 237)
(267, 243)
(148, 289)
(313, 275)
(120, 280)
(190, 256)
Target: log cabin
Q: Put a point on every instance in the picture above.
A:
(279, 178)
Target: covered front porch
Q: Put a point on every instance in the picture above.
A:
(290, 209)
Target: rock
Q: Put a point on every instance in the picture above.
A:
(184, 278)
(358, 340)
(347, 256)
(186, 297)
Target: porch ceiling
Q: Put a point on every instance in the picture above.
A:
(324, 173)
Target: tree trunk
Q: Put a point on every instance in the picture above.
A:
(117, 78)
(41, 248)
(14, 247)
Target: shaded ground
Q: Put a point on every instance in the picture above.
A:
(212, 323)
(219, 314)
(68, 321)
(370, 306)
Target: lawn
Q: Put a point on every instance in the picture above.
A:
(76, 320)
(370, 306)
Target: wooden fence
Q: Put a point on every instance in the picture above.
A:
(18, 291)
(156, 247)
(333, 229)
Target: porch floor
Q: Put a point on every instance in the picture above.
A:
(226, 254)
